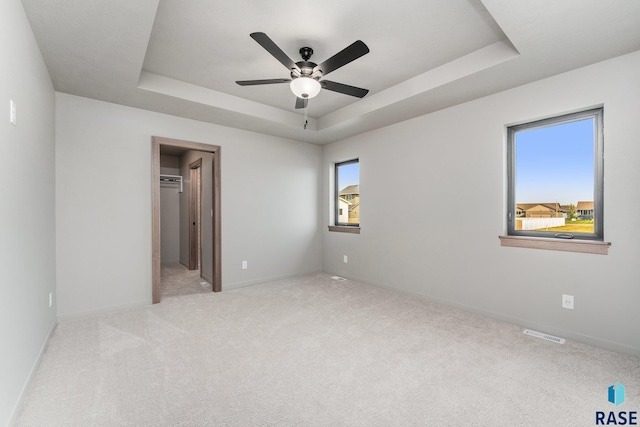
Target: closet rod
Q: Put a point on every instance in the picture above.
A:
(171, 179)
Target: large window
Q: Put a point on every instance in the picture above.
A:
(347, 193)
(555, 177)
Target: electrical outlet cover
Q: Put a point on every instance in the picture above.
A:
(567, 301)
(12, 112)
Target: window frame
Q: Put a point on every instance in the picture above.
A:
(597, 114)
(336, 195)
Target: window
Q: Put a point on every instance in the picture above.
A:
(555, 177)
(347, 194)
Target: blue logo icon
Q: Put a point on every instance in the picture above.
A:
(616, 394)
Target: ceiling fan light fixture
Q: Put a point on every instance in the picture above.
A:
(305, 87)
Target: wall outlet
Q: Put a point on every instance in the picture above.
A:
(567, 301)
(346, 259)
(244, 265)
(50, 299)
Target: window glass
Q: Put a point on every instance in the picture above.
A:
(555, 177)
(347, 193)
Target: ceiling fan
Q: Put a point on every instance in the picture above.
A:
(306, 76)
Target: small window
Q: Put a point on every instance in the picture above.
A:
(347, 193)
(555, 177)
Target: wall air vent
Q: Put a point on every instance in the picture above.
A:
(543, 336)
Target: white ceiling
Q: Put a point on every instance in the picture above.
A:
(183, 57)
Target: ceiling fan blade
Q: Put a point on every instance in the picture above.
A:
(268, 44)
(301, 103)
(346, 55)
(261, 82)
(342, 88)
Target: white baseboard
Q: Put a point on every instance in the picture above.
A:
(207, 278)
(103, 310)
(523, 323)
(34, 369)
(259, 281)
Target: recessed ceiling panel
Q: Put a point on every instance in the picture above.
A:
(183, 57)
(208, 44)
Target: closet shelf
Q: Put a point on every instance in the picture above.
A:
(171, 181)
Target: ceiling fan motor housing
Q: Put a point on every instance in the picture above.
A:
(306, 70)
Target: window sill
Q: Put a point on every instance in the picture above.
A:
(583, 246)
(343, 229)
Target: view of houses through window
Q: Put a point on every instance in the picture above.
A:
(347, 201)
(553, 177)
(555, 217)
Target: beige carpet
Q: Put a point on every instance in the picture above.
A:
(178, 280)
(312, 351)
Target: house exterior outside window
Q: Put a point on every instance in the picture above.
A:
(347, 194)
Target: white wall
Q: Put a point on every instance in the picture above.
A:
(170, 224)
(103, 217)
(452, 162)
(27, 227)
(170, 212)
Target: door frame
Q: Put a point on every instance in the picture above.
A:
(195, 216)
(156, 142)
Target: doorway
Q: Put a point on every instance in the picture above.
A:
(210, 239)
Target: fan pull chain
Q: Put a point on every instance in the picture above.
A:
(306, 122)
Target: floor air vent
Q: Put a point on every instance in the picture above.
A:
(543, 336)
